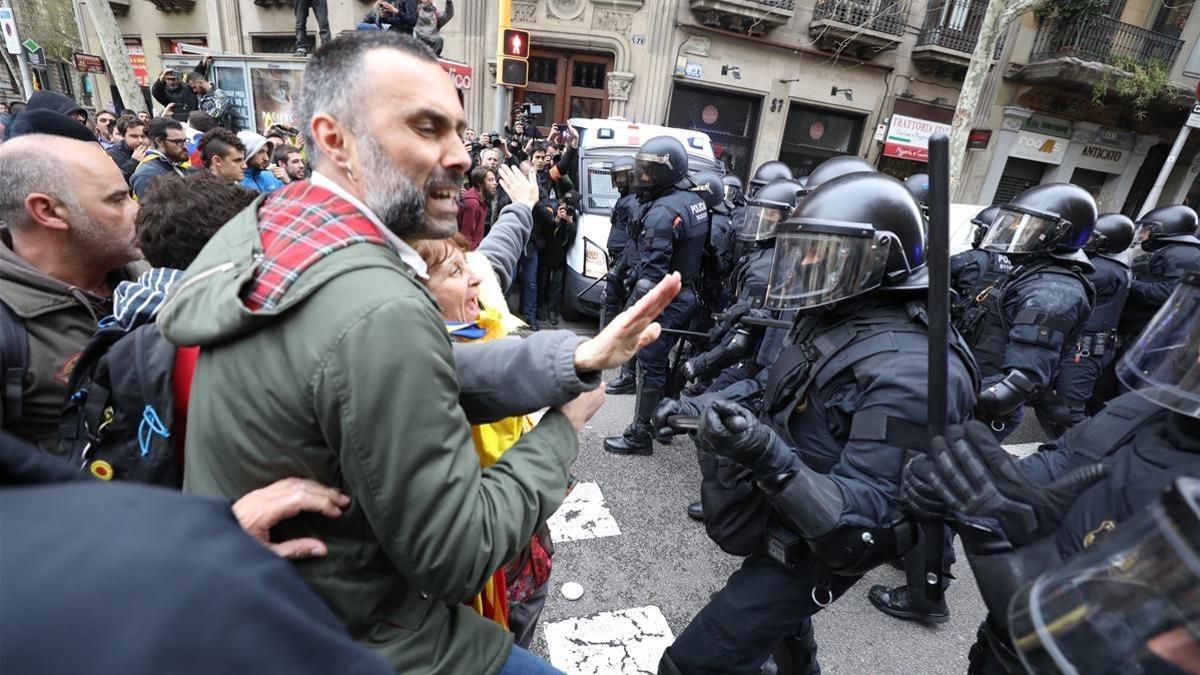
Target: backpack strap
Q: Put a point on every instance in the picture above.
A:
(14, 363)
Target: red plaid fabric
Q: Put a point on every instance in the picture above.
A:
(298, 225)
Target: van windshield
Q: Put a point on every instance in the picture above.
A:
(599, 193)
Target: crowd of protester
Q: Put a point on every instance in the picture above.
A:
(207, 310)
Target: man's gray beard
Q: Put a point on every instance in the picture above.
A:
(393, 198)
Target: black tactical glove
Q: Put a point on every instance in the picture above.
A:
(670, 407)
(730, 430)
(983, 487)
(918, 490)
(727, 319)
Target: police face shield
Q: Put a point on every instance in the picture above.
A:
(646, 165)
(733, 194)
(620, 179)
(1129, 604)
(1163, 365)
(819, 262)
(760, 222)
(1018, 230)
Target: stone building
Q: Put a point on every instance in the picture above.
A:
(773, 79)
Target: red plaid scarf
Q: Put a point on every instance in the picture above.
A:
(298, 225)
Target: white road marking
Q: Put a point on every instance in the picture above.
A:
(1022, 449)
(582, 516)
(627, 641)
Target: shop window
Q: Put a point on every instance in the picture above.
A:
(730, 120)
(1092, 181)
(813, 135)
(1019, 175)
(272, 44)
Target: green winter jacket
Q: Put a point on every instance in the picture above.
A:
(350, 381)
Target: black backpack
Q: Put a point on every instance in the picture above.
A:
(14, 362)
(117, 421)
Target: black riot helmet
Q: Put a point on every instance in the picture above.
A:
(766, 208)
(918, 187)
(733, 189)
(1113, 234)
(1174, 223)
(710, 188)
(769, 172)
(850, 235)
(661, 162)
(1055, 218)
(622, 174)
(835, 167)
(983, 222)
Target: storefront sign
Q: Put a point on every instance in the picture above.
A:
(908, 137)
(1103, 158)
(1116, 138)
(137, 59)
(1039, 148)
(979, 139)
(177, 45)
(12, 43)
(89, 63)
(1051, 126)
(34, 53)
(460, 73)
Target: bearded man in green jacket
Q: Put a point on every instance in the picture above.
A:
(323, 357)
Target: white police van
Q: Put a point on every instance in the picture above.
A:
(600, 142)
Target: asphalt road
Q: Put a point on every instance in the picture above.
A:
(660, 559)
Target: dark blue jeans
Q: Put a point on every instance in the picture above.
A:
(521, 662)
(529, 277)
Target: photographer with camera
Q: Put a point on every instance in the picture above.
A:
(397, 15)
(553, 257)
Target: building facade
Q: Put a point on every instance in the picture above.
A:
(771, 79)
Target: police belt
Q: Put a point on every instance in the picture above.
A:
(1097, 344)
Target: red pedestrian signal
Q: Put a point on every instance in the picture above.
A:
(516, 43)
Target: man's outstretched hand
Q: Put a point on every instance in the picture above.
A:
(258, 511)
(629, 331)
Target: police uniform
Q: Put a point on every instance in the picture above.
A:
(1094, 348)
(622, 248)
(837, 399)
(720, 260)
(972, 273)
(1155, 275)
(1030, 324)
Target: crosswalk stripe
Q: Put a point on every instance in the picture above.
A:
(625, 642)
(1022, 449)
(583, 515)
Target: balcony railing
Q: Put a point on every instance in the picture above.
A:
(1104, 40)
(952, 24)
(884, 16)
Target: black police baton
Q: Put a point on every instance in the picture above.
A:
(932, 531)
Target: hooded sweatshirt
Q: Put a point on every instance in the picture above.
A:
(59, 320)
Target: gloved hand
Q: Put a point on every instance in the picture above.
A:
(728, 319)
(918, 491)
(669, 407)
(730, 430)
(982, 486)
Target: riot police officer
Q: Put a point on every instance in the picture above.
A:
(1032, 321)
(1168, 236)
(975, 273)
(622, 250)
(821, 469)
(1144, 440)
(1095, 347)
(734, 191)
(767, 173)
(674, 231)
(918, 187)
(719, 250)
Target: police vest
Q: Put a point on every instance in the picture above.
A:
(1137, 475)
(752, 273)
(989, 337)
(1111, 279)
(970, 306)
(1171, 257)
(818, 353)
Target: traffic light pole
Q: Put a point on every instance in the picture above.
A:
(504, 21)
(22, 61)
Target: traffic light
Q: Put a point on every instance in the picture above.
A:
(514, 66)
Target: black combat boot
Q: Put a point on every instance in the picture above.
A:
(897, 602)
(626, 382)
(695, 511)
(636, 440)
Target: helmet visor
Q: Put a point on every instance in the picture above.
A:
(1016, 231)
(620, 178)
(647, 166)
(1126, 605)
(1164, 364)
(733, 193)
(811, 268)
(759, 222)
